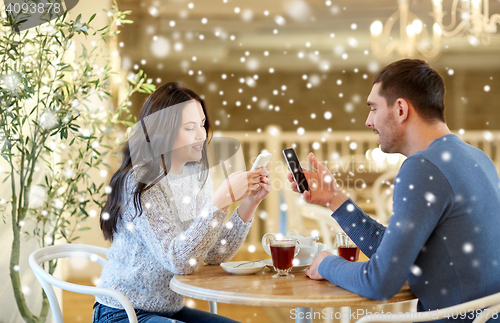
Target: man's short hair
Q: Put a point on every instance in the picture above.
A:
(415, 81)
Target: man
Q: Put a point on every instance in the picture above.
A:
(443, 234)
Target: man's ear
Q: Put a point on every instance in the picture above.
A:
(402, 109)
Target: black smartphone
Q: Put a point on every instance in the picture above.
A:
(296, 170)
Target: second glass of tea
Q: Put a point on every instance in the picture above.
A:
(283, 251)
(346, 248)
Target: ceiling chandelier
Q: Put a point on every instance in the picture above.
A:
(470, 20)
(414, 39)
(475, 24)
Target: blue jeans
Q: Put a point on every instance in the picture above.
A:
(106, 314)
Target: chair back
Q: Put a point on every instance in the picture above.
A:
(327, 226)
(299, 212)
(382, 196)
(490, 304)
(40, 256)
(293, 201)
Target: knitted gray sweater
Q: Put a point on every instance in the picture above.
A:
(148, 250)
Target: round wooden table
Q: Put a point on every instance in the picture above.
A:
(213, 284)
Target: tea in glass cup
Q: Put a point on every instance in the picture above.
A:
(282, 252)
(346, 248)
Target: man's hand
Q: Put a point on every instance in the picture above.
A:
(312, 271)
(323, 186)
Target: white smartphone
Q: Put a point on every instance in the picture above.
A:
(261, 161)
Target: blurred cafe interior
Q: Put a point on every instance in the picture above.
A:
(296, 73)
(293, 73)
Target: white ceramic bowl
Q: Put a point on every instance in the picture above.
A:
(246, 268)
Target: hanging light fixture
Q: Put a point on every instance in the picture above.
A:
(414, 39)
(471, 21)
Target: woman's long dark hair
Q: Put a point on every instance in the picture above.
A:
(167, 95)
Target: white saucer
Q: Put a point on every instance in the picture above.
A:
(295, 269)
(245, 269)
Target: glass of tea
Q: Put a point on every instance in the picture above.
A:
(346, 248)
(283, 251)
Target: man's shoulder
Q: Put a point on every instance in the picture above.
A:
(450, 157)
(418, 163)
(450, 151)
(444, 152)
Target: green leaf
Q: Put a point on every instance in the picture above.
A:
(83, 211)
(6, 178)
(63, 233)
(84, 52)
(67, 68)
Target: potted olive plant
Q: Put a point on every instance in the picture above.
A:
(52, 138)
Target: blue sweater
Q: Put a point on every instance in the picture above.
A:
(443, 236)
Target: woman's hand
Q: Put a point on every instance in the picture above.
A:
(256, 196)
(249, 204)
(323, 187)
(237, 186)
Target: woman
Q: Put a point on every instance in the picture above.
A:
(163, 226)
